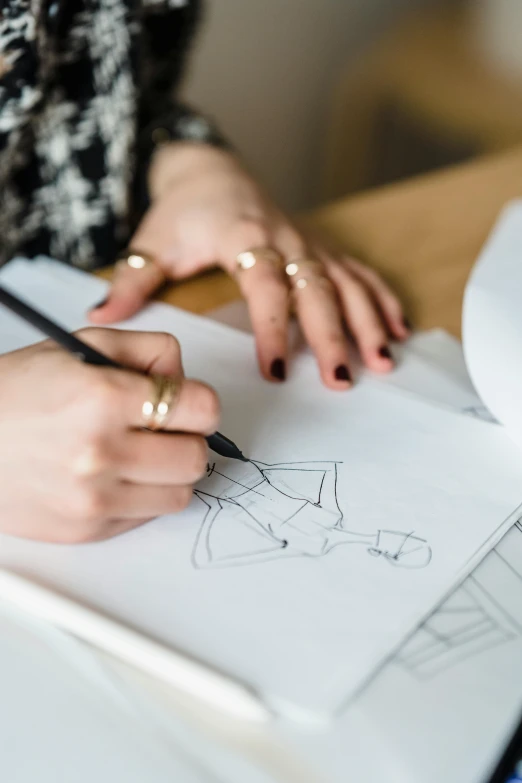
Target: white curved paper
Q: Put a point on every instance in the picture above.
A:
(492, 322)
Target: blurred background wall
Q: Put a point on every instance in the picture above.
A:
(265, 70)
(329, 97)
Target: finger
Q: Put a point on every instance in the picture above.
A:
(317, 308)
(196, 408)
(197, 411)
(318, 311)
(157, 458)
(104, 531)
(144, 501)
(362, 318)
(267, 297)
(389, 304)
(130, 290)
(266, 293)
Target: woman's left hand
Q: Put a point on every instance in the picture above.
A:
(206, 210)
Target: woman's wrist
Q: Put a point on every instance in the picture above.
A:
(175, 160)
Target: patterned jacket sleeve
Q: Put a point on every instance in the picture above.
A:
(168, 29)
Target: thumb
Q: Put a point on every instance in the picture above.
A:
(129, 291)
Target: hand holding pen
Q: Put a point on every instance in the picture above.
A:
(76, 463)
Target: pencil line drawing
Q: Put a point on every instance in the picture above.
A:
(483, 613)
(257, 512)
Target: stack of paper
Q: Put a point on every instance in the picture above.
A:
(305, 572)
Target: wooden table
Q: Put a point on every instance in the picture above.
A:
(422, 235)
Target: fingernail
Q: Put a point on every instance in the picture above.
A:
(100, 304)
(342, 373)
(407, 324)
(384, 351)
(278, 369)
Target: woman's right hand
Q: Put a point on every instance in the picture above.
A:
(74, 464)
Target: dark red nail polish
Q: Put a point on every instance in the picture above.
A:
(342, 373)
(407, 324)
(278, 369)
(100, 304)
(385, 352)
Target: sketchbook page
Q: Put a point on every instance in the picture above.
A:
(415, 748)
(460, 667)
(355, 507)
(307, 617)
(492, 322)
(456, 678)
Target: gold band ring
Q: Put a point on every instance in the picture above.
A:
(136, 259)
(302, 272)
(249, 258)
(156, 411)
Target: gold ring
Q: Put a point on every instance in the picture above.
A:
(249, 258)
(302, 272)
(157, 410)
(136, 259)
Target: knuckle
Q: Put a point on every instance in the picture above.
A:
(336, 338)
(294, 243)
(86, 505)
(182, 498)
(252, 232)
(198, 459)
(91, 460)
(209, 407)
(171, 345)
(103, 396)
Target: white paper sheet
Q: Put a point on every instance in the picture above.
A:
(297, 621)
(445, 704)
(492, 322)
(430, 365)
(56, 727)
(470, 703)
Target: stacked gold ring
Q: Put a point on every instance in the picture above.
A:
(256, 255)
(157, 410)
(302, 272)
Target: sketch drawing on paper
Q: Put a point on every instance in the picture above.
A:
(483, 613)
(255, 512)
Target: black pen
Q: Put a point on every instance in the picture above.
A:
(217, 442)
